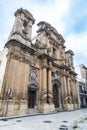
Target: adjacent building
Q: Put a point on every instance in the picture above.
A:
(38, 75)
(82, 86)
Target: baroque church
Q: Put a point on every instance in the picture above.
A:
(38, 75)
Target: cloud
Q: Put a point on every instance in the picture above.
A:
(67, 16)
(78, 43)
(54, 12)
(51, 11)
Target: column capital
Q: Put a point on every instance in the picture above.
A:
(44, 66)
(50, 67)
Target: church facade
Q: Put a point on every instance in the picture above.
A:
(38, 75)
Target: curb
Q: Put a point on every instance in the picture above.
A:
(34, 114)
(22, 116)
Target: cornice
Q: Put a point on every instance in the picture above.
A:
(19, 33)
(26, 13)
(14, 42)
(45, 56)
(72, 72)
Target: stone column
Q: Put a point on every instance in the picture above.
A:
(76, 94)
(64, 91)
(44, 85)
(68, 86)
(40, 88)
(72, 91)
(44, 107)
(69, 96)
(65, 86)
(50, 96)
(50, 91)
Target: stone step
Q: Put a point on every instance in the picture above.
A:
(33, 111)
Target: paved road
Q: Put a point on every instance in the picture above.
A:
(48, 122)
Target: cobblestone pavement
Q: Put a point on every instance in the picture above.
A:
(72, 120)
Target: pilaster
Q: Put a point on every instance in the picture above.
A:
(50, 96)
(44, 85)
(68, 86)
(50, 91)
(64, 91)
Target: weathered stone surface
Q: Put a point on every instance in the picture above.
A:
(40, 75)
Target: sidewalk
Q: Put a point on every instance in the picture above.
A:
(27, 115)
(69, 120)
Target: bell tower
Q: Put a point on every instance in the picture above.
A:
(18, 63)
(22, 28)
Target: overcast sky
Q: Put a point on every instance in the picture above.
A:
(69, 17)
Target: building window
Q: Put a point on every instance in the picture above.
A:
(81, 89)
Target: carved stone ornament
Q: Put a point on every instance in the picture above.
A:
(33, 74)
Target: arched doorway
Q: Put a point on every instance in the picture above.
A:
(32, 96)
(55, 95)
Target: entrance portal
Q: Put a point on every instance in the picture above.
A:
(55, 95)
(31, 98)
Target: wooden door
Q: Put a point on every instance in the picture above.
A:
(55, 95)
(31, 99)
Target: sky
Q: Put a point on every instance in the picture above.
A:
(69, 17)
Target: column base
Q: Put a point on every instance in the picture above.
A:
(46, 108)
(14, 109)
(75, 106)
(68, 106)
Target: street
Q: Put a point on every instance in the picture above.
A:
(70, 120)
